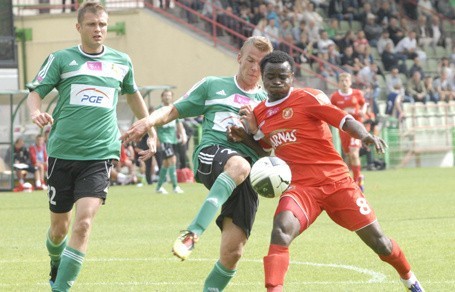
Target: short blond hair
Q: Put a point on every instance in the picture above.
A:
(261, 43)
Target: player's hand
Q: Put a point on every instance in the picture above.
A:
(137, 130)
(236, 134)
(41, 119)
(248, 119)
(146, 154)
(378, 143)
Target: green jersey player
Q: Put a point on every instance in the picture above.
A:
(84, 139)
(169, 136)
(222, 166)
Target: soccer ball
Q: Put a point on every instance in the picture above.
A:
(270, 176)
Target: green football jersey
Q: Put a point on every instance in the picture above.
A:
(218, 99)
(167, 133)
(85, 120)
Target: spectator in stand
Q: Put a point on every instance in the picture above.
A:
(310, 15)
(444, 64)
(313, 32)
(323, 66)
(426, 8)
(287, 45)
(259, 29)
(385, 12)
(372, 30)
(383, 40)
(307, 47)
(392, 80)
(347, 40)
(272, 32)
(422, 29)
(392, 60)
(416, 66)
(195, 5)
(369, 76)
(416, 88)
(350, 62)
(432, 94)
(342, 10)
(38, 158)
(361, 51)
(333, 30)
(437, 33)
(260, 12)
(286, 29)
(21, 162)
(362, 16)
(395, 31)
(212, 10)
(324, 42)
(394, 107)
(405, 25)
(334, 56)
(443, 86)
(298, 30)
(408, 46)
(410, 9)
(361, 44)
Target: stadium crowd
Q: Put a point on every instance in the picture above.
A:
(369, 39)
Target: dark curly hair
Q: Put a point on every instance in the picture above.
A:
(277, 57)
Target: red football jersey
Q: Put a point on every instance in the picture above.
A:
(351, 102)
(297, 128)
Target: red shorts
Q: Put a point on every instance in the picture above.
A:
(342, 200)
(347, 142)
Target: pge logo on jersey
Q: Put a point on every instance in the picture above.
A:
(96, 96)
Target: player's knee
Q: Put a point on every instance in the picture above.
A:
(281, 234)
(230, 257)
(82, 228)
(238, 168)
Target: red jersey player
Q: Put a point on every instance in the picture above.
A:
(351, 101)
(295, 123)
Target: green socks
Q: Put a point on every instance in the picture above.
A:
(173, 176)
(162, 177)
(70, 265)
(218, 195)
(218, 278)
(55, 250)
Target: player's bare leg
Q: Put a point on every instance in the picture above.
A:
(389, 251)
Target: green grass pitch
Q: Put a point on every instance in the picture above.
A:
(130, 245)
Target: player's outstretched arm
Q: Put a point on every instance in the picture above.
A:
(358, 131)
(41, 119)
(159, 117)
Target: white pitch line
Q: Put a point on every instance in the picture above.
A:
(375, 277)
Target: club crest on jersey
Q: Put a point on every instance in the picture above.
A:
(287, 113)
(95, 66)
(283, 136)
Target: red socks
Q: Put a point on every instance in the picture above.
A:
(398, 260)
(276, 265)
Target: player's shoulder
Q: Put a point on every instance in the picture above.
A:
(313, 94)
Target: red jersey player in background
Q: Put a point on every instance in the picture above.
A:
(351, 101)
(295, 123)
